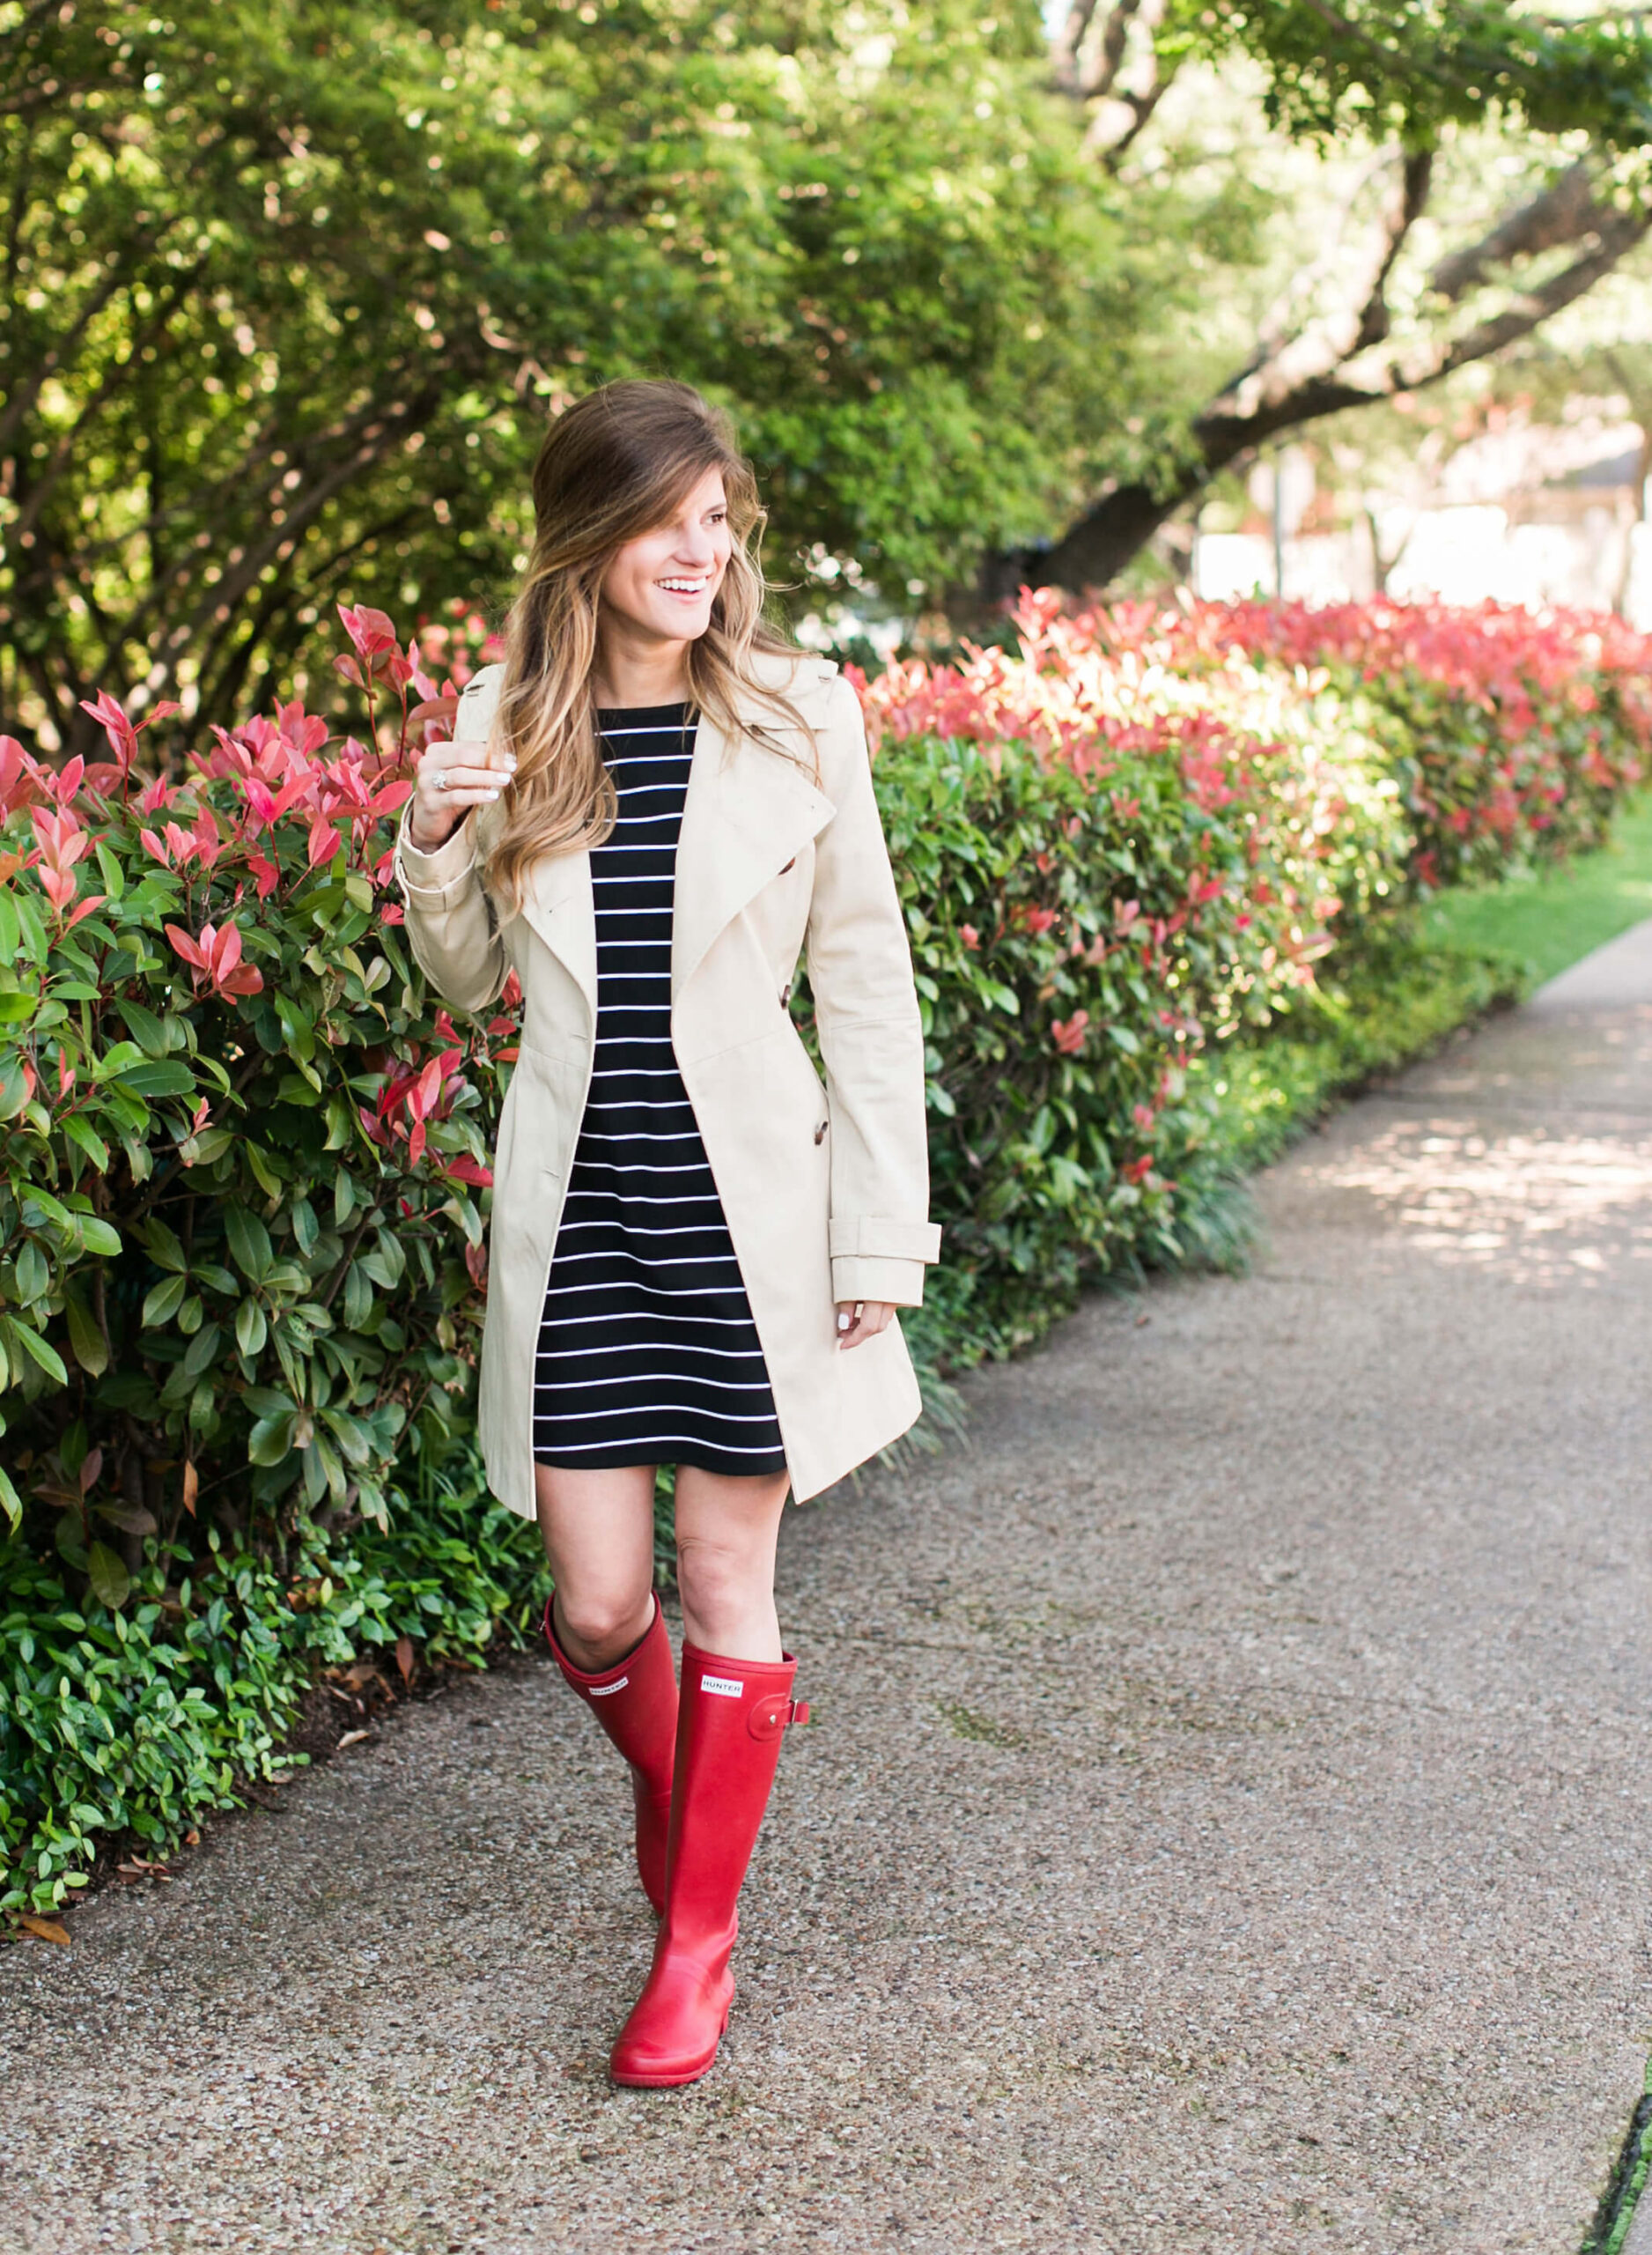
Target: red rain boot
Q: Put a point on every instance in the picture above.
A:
(729, 1726)
(635, 1703)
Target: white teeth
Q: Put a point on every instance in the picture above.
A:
(683, 586)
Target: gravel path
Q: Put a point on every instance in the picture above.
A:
(1225, 1825)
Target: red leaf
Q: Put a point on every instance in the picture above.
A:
(464, 1169)
(187, 948)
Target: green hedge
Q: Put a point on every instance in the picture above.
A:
(1163, 893)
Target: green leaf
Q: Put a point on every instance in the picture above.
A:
(251, 1329)
(111, 1584)
(91, 1350)
(15, 1008)
(164, 1248)
(14, 1088)
(10, 1502)
(352, 1435)
(248, 1243)
(162, 1303)
(202, 1350)
(99, 1237)
(158, 1076)
(128, 1389)
(40, 1350)
(144, 1027)
(268, 1402)
(33, 1273)
(131, 1519)
(113, 874)
(116, 1058)
(306, 1228)
(88, 1140)
(1122, 1038)
(269, 1181)
(271, 1440)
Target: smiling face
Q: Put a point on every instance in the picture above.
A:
(658, 588)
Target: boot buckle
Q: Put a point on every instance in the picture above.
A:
(768, 1717)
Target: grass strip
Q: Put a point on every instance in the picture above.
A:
(1542, 922)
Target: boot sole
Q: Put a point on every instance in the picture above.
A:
(669, 2078)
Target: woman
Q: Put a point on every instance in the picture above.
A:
(647, 812)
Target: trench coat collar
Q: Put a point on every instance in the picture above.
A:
(748, 810)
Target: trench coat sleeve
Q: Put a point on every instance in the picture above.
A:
(451, 923)
(871, 1037)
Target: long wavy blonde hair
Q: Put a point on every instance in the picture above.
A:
(613, 466)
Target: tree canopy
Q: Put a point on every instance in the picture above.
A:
(290, 289)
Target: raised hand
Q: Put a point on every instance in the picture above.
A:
(452, 779)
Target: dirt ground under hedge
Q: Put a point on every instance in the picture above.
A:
(1225, 1823)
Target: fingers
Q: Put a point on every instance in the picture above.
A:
(441, 784)
(447, 789)
(861, 1319)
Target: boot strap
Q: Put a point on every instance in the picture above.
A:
(768, 1717)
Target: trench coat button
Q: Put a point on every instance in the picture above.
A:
(820, 1132)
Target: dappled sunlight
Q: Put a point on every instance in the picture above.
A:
(1543, 1208)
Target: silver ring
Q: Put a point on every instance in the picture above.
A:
(441, 779)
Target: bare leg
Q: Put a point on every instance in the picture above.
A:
(728, 1528)
(599, 1531)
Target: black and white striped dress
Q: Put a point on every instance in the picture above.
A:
(647, 1351)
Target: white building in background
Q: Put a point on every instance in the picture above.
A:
(1529, 515)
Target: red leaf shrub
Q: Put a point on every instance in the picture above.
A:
(240, 1146)
(1142, 832)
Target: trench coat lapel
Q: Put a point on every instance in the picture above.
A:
(748, 812)
(561, 907)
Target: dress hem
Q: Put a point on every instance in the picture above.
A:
(601, 1458)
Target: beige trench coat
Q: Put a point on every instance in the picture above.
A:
(825, 1189)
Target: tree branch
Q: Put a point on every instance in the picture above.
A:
(1617, 233)
(1305, 381)
(38, 490)
(1315, 351)
(1559, 213)
(1063, 52)
(120, 272)
(301, 507)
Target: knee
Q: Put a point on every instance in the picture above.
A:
(595, 1626)
(718, 1581)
